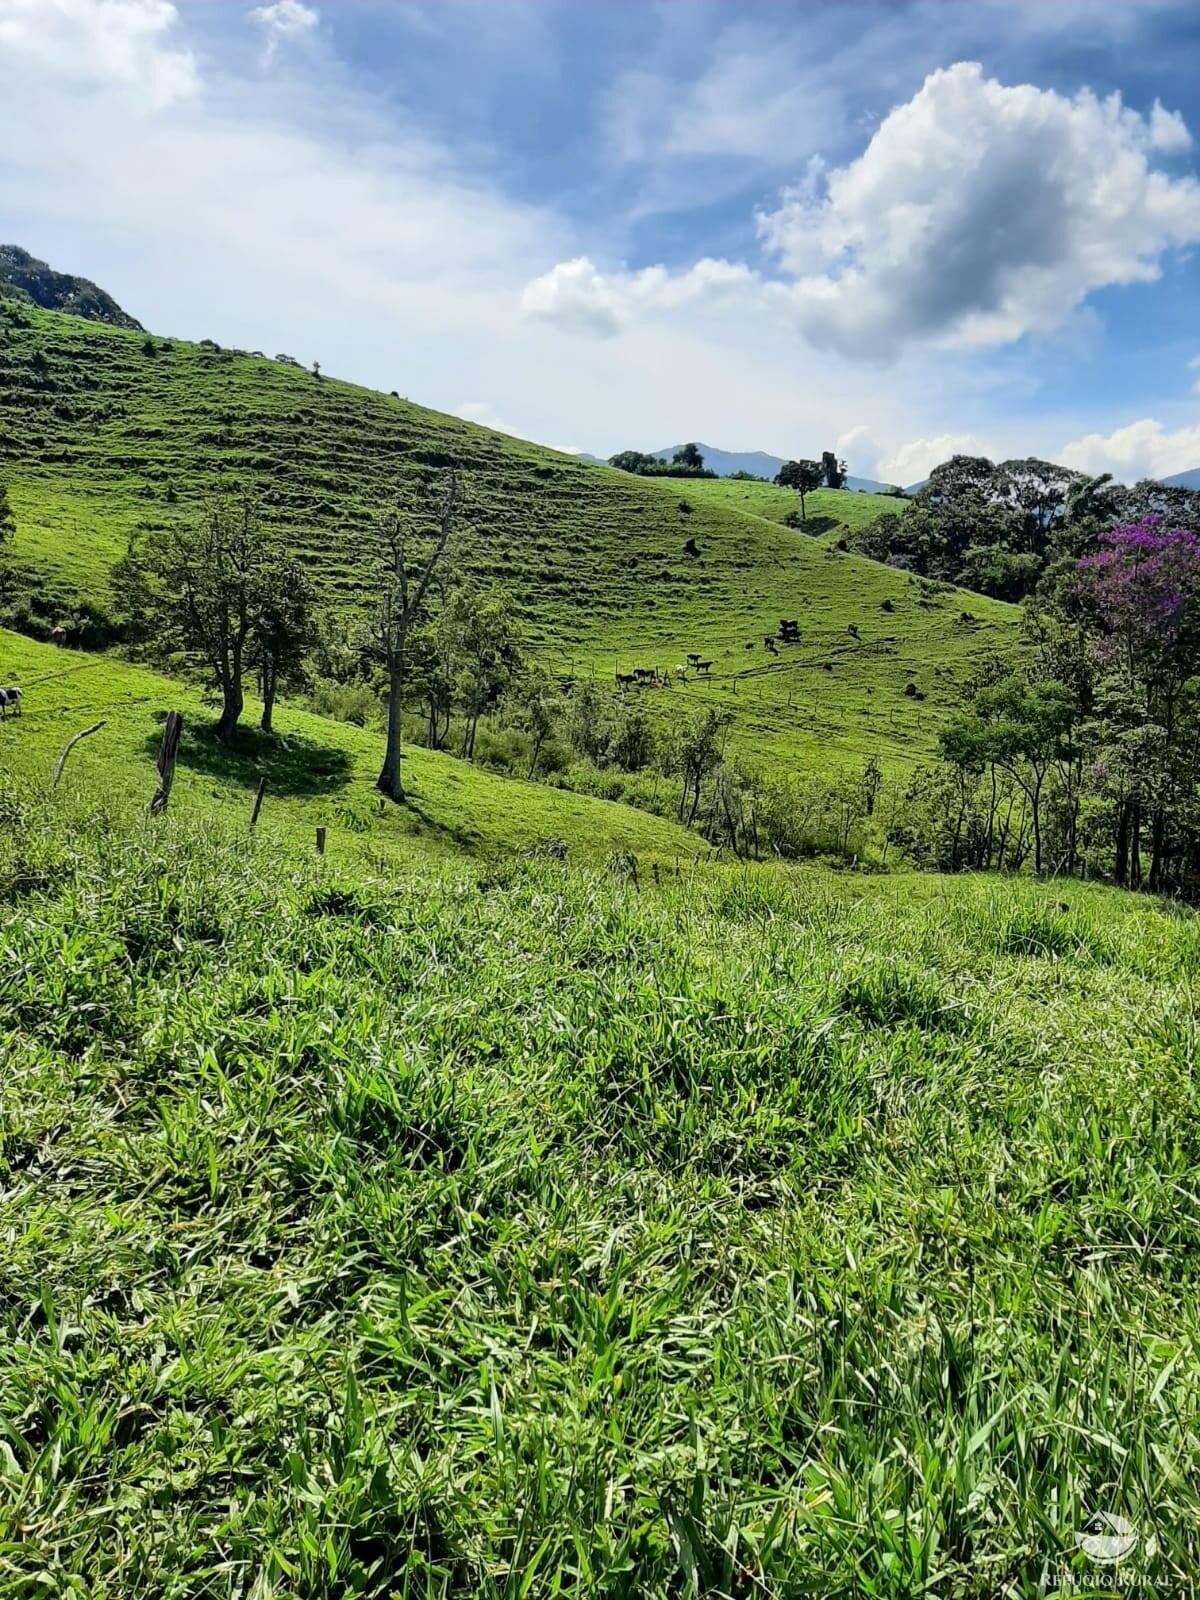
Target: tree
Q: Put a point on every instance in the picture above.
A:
(634, 461)
(688, 456)
(486, 652)
(803, 477)
(214, 591)
(698, 749)
(539, 705)
(1021, 727)
(833, 471)
(285, 633)
(407, 553)
(1143, 586)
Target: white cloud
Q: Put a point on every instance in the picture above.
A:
(577, 296)
(1142, 449)
(917, 459)
(284, 22)
(858, 448)
(978, 213)
(99, 44)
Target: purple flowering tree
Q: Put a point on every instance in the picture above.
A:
(1144, 582)
(1143, 586)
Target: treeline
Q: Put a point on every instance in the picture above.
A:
(687, 462)
(1003, 529)
(1082, 757)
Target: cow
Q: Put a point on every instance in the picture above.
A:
(681, 673)
(624, 679)
(58, 636)
(644, 674)
(705, 667)
(10, 700)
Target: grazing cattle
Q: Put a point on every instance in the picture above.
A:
(644, 674)
(681, 673)
(624, 679)
(692, 658)
(10, 700)
(692, 549)
(58, 636)
(705, 667)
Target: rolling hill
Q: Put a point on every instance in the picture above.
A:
(105, 431)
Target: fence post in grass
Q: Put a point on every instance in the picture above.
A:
(633, 873)
(654, 871)
(167, 752)
(70, 745)
(320, 841)
(258, 800)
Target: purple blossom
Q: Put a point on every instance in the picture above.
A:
(1145, 582)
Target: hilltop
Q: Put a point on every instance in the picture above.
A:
(32, 282)
(105, 432)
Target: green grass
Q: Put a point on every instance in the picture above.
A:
(831, 512)
(375, 1235)
(318, 772)
(99, 438)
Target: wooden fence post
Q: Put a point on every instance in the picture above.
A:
(167, 752)
(70, 745)
(320, 841)
(258, 800)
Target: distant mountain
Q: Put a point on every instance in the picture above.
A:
(726, 462)
(24, 277)
(1183, 480)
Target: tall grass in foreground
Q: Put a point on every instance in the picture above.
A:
(415, 1237)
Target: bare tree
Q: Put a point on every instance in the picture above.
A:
(407, 563)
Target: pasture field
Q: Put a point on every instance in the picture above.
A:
(387, 1233)
(104, 432)
(319, 772)
(831, 512)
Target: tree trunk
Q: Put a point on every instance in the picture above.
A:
(1135, 846)
(268, 696)
(1037, 827)
(1158, 852)
(1121, 862)
(388, 781)
(232, 704)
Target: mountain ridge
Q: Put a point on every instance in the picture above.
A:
(26, 279)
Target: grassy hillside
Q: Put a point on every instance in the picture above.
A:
(319, 773)
(830, 511)
(385, 1237)
(104, 431)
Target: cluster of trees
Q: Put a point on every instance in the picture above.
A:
(1083, 756)
(805, 476)
(1003, 529)
(687, 462)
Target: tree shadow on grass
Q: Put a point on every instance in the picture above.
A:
(292, 765)
(814, 527)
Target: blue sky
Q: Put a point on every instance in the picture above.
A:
(899, 229)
